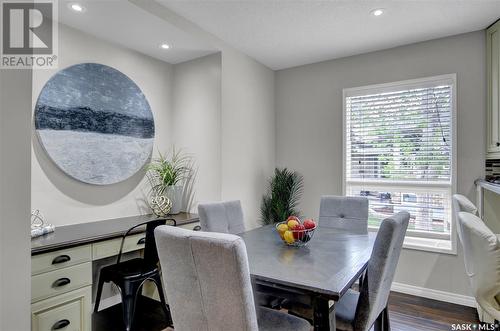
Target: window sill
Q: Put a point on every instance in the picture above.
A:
(434, 245)
(430, 245)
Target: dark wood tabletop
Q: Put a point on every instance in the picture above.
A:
(330, 263)
(79, 234)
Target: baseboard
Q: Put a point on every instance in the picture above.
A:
(109, 302)
(429, 293)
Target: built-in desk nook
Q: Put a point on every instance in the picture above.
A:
(61, 273)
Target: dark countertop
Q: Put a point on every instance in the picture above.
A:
(330, 263)
(83, 233)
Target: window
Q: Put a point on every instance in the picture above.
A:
(399, 151)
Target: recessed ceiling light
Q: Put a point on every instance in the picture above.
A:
(377, 12)
(76, 7)
(164, 46)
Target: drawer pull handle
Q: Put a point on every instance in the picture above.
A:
(61, 282)
(141, 241)
(60, 324)
(61, 259)
(197, 228)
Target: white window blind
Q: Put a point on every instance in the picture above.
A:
(399, 151)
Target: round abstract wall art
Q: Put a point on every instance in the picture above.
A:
(95, 123)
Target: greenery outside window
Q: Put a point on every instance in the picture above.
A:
(399, 152)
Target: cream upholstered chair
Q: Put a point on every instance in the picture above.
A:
(359, 311)
(207, 282)
(462, 203)
(223, 217)
(344, 213)
(482, 264)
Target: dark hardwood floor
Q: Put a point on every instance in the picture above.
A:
(407, 313)
(148, 317)
(410, 313)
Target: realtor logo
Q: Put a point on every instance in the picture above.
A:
(29, 35)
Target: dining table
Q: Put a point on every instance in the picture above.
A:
(319, 273)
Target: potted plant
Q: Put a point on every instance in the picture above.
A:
(168, 176)
(282, 198)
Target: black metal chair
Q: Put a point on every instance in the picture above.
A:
(130, 275)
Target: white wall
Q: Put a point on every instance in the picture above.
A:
(309, 129)
(196, 121)
(64, 200)
(248, 132)
(15, 267)
(247, 118)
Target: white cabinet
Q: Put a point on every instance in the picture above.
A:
(70, 311)
(61, 290)
(61, 282)
(493, 90)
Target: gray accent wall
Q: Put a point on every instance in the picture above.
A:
(309, 129)
(15, 267)
(196, 120)
(248, 132)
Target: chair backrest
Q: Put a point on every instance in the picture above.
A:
(461, 203)
(150, 253)
(207, 280)
(344, 213)
(482, 255)
(223, 217)
(376, 286)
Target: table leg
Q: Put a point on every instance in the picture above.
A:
(321, 317)
(333, 322)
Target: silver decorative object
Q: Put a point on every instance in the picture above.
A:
(37, 219)
(38, 225)
(160, 205)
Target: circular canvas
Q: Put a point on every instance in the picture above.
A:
(95, 123)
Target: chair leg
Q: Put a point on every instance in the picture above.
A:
(387, 322)
(360, 281)
(98, 295)
(377, 326)
(382, 322)
(157, 280)
(129, 291)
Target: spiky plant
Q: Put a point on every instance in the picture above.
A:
(172, 170)
(283, 196)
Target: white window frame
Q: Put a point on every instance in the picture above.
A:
(418, 240)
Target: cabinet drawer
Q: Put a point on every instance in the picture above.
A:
(60, 259)
(60, 281)
(66, 312)
(111, 247)
(189, 226)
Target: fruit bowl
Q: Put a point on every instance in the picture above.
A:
(295, 233)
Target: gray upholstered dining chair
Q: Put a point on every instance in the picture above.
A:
(462, 203)
(227, 217)
(359, 311)
(344, 213)
(482, 264)
(208, 284)
(223, 217)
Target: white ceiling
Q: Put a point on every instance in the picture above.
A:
(123, 23)
(284, 33)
